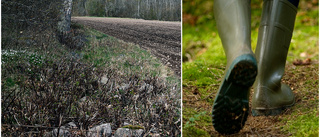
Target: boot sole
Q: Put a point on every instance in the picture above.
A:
(269, 112)
(231, 105)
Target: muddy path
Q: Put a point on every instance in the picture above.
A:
(161, 38)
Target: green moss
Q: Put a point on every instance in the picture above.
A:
(200, 73)
(10, 82)
(204, 65)
(195, 132)
(303, 125)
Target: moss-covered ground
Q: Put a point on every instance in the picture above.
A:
(204, 64)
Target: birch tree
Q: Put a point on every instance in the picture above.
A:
(65, 17)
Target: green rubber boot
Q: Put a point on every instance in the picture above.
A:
(270, 96)
(231, 105)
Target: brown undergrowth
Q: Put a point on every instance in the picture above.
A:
(47, 84)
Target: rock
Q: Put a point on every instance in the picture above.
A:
(126, 132)
(83, 99)
(125, 87)
(155, 135)
(63, 132)
(71, 125)
(104, 79)
(126, 123)
(103, 130)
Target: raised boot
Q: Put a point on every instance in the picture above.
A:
(230, 108)
(270, 95)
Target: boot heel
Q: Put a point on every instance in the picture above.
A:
(268, 112)
(231, 106)
(243, 73)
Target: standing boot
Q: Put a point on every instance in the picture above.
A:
(270, 95)
(230, 108)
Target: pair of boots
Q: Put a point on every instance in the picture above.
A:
(264, 69)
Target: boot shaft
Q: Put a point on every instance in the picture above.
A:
(274, 38)
(233, 23)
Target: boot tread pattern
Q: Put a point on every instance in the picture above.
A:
(231, 107)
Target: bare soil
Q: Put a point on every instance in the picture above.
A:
(161, 38)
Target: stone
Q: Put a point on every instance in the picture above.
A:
(63, 132)
(104, 79)
(155, 135)
(126, 123)
(125, 87)
(71, 125)
(103, 130)
(126, 132)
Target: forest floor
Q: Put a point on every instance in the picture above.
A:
(161, 38)
(204, 64)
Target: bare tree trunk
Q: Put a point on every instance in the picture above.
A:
(138, 8)
(65, 17)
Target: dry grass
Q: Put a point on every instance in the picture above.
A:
(48, 84)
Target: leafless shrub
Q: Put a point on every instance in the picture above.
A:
(23, 19)
(40, 94)
(21, 14)
(44, 93)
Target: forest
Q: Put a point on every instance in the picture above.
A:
(168, 10)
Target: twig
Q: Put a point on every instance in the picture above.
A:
(200, 98)
(27, 126)
(206, 96)
(16, 119)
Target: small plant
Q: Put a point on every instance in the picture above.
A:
(192, 120)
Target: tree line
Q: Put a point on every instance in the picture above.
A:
(169, 10)
(19, 15)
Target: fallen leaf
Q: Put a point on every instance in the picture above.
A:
(299, 62)
(304, 54)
